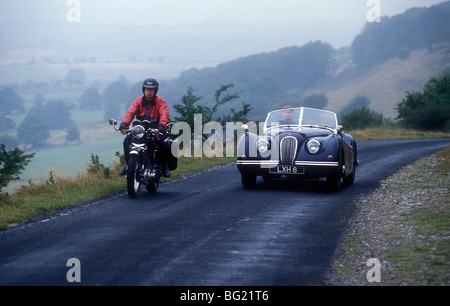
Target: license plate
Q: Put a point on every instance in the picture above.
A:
(288, 170)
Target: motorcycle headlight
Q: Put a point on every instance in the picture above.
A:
(262, 145)
(138, 131)
(313, 146)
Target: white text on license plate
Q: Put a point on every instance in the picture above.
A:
(289, 170)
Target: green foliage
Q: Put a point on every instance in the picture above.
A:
(11, 164)
(51, 178)
(427, 110)
(187, 109)
(219, 100)
(357, 102)
(397, 36)
(9, 142)
(236, 116)
(361, 118)
(98, 168)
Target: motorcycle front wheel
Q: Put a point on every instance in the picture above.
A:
(133, 185)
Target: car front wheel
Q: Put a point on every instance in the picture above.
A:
(248, 180)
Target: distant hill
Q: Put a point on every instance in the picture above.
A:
(399, 35)
(260, 78)
(386, 84)
(410, 48)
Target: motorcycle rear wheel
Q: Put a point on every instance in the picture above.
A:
(133, 185)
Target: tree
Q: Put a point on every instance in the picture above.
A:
(73, 134)
(357, 102)
(187, 109)
(427, 110)
(236, 116)
(90, 99)
(116, 92)
(58, 115)
(34, 129)
(9, 142)
(362, 118)
(219, 100)
(11, 165)
(10, 101)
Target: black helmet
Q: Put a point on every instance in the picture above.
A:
(150, 83)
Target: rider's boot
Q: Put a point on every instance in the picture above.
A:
(124, 170)
(166, 172)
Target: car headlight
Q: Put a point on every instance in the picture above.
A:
(138, 131)
(313, 146)
(262, 145)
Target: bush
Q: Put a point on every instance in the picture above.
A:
(427, 110)
(361, 118)
(11, 165)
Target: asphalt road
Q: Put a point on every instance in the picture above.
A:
(201, 230)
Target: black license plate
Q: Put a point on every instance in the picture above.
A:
(288, 170)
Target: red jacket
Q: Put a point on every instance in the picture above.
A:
(159, 111)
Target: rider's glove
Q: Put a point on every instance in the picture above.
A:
(123, 127)
(162, 129)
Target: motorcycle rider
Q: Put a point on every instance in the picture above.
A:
(153, 108)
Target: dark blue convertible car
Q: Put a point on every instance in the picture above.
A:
(298, 143)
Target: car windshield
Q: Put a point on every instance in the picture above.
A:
(301, 116)
(319, 117)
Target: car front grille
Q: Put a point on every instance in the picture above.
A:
(288, 150)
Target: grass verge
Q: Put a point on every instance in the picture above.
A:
(405, 224)
(56, 192)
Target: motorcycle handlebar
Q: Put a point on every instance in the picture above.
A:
(124, 132)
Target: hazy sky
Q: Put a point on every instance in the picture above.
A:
(333, 21)
(211, 31)
(170, 12)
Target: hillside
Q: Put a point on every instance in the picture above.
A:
(385, 60)
(384, 85)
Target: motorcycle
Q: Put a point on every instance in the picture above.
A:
(145, 165)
